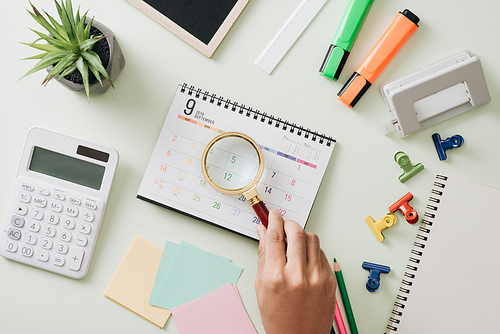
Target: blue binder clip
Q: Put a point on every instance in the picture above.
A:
(447, 144)
(374, 277)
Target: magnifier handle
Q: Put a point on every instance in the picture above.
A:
(262, 212)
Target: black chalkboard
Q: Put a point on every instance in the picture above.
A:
(201, 23)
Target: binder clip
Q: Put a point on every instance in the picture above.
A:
(446, 144)
(409, 170)
(402, 204)
(374, 278)
(434, 94)
(377, 227)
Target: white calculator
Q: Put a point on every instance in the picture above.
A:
(57, 203)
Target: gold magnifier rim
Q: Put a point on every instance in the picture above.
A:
(249, 186)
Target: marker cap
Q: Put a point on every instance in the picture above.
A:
(353, 90)
(334, 62)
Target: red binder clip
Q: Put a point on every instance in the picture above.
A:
(402, 204)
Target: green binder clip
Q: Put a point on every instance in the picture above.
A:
(409, 170)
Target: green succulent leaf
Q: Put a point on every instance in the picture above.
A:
(65, 22)
(40, 56)
(50, 59)
(96, 73)
(44, 23)
(87, 29)
(67, 71)
(59, 28)
(64, 63)
(84, 71)
(68, 11)
(89, 43)
(58, 43)
(93, 59)
(43, 47)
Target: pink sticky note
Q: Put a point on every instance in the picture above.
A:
(219, 312)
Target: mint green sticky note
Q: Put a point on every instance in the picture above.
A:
(192, 273)
(169, 252)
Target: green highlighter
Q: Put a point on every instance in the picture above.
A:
(339, 50)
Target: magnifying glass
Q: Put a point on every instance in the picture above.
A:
(233, 163)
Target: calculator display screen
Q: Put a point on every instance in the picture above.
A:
(67, 168)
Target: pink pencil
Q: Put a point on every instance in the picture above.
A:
(339, 320)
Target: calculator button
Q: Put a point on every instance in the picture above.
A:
(14, 233)
(42, 255)
(27, 250)
(53, 219)
(60, 196)
(81, 240)
(88, 215)
(75, 201)
(43, 191)
(11, 246)
(49, 231)
(84, 228)
(24, 197)
(21, 209)
(40, 202)
(69, 223)
(56, 206)
(65, 235)
(62, 248)
(27, 186)
(29, 238)
(90, 205)
(34, 226)
(58, 260)
(37, 214)
(72, 211)
(75, 258)
(46, 243)
(17, 221)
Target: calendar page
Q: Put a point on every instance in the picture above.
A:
(295, 161)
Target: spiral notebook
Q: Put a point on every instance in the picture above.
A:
(295, 160)
(451, 280)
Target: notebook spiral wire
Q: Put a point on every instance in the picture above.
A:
(257, 115)
(416, 253)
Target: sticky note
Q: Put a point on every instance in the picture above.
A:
(187, 272)
(220, 311)
(133, 281)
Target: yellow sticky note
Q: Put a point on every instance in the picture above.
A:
(133, 281)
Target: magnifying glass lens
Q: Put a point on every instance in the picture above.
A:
(232, 163)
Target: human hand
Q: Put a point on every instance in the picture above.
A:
(295, 284)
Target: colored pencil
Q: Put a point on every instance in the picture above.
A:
(339, 320)
(345, 297)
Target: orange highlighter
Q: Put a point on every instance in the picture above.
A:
(403, 26)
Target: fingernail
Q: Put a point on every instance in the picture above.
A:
(275, 210)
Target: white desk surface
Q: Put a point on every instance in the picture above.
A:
(361, 180)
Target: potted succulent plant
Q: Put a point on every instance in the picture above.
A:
(78, 51)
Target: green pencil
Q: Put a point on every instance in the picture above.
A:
(345, 297)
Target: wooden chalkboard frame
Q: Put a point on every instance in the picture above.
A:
(206, 49)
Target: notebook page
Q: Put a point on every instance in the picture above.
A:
(456, 288)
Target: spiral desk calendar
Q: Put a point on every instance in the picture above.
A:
(295, 160)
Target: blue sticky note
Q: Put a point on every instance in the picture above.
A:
(188, 273)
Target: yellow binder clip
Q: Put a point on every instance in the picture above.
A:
(377, 227)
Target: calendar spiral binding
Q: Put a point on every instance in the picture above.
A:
(257, 115)
(416, 253)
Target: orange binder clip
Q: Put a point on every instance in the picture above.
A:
(377, 227)
(402, 204)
